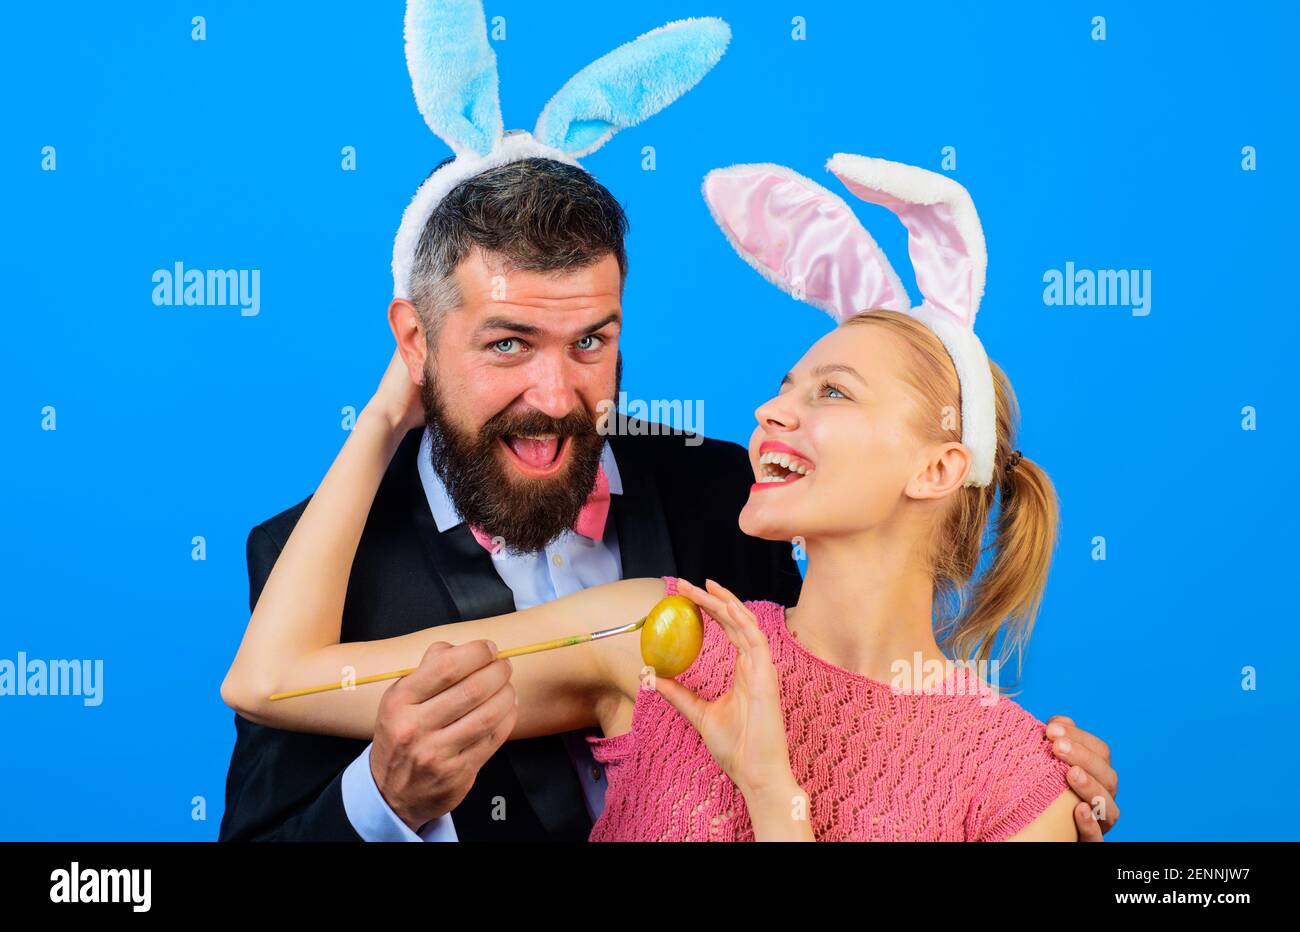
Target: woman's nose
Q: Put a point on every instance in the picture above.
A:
(777, 414)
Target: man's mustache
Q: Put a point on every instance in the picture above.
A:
(533, 423)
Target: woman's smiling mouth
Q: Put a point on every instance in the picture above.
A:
(780, 465)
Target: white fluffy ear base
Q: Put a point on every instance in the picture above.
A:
(979, 429)
(514, 147)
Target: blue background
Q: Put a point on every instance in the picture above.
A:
(183, 421)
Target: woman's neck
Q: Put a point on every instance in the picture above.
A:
(866, 605)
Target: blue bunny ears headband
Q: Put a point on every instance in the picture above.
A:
(454, 76)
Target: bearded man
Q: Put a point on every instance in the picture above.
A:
(508, 497)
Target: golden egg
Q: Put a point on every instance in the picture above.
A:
(672, 635)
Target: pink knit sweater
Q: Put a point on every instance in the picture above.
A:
(878, 764)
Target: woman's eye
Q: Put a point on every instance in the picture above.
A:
(827, 387)
(589, 343)
(507, 347)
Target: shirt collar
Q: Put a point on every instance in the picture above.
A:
(445, 515)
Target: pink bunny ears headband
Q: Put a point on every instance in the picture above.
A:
(454, 76)
(807, 242)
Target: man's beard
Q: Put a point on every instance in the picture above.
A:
(524, 514)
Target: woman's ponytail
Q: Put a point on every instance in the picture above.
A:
(1006, 596)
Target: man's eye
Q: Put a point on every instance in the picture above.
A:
(508, 347)
(589, 342)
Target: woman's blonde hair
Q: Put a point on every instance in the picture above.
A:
(1006, 596)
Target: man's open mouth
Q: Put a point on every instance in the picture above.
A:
(537, 455)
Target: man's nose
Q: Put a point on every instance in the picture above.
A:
(551, 389)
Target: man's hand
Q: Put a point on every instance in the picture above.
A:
(438, 725)
(1092, 778)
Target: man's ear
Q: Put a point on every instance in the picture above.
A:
(409, 334)
(943, 470)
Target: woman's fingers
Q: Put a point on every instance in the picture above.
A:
(744, 620)
(682, 699)
(753, 649)
(716, 609)
(734, 610)
(747, 623)
(705, 600)
(736, 620)
(719, 590)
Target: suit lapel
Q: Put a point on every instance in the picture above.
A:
(454, 556)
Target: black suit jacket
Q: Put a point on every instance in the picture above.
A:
(677, 515)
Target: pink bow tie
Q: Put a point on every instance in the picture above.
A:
(591, 519)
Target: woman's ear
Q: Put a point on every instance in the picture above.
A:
(409, 334)
(943, 470)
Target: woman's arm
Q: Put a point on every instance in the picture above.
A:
(780, 814)
(1055, 824)
(558, 690)
(292, 639)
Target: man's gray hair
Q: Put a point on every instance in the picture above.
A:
(534, 215)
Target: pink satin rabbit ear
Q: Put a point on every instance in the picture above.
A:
(803, 239)
(944, 237)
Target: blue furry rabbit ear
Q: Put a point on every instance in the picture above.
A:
(454, 73)
(629, 84)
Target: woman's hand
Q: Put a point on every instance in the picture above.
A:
(744, 729)
(397, 399)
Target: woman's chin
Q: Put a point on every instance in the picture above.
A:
(758, 520)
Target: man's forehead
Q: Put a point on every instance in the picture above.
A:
(542, 301)
(546, 304)
(494, 273)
